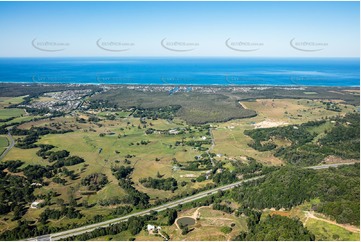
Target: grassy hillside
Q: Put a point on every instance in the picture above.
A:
(311, 142)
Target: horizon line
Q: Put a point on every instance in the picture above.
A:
(234, 57)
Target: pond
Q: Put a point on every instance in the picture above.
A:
(186, 221)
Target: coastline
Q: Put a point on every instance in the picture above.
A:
(174, 85)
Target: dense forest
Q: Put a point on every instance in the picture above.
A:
(194, 108)
(155, 113)
(337, 188)
(276, 228)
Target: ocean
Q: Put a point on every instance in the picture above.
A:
(183, 71)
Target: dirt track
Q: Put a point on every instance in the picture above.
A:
(345, 226)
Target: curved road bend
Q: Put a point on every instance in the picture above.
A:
(11, 145)
(91, 227)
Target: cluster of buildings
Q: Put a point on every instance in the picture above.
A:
(69, 95)
(60, 101)
(202, 89)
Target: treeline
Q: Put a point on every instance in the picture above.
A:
(196, 144)
(249, 169)
(223, 208)
(11, 165)
(4, 130)
(33, 135)
(3, 127)
(167, 112)
(69, 212)
(252, 168)
(332, 106)
(100, 104)
(6, 119)
(224, 177)
(43, 152)
(61, 157)
(36, 173)
(186, 193)
(94, 181)
(134, 197)
(200, 164)
(167, 184)
(122, 210)
(290, 187)
(24, 229)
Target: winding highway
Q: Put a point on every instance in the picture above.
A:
(91, 227)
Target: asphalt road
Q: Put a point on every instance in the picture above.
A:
(11, 145)
(91, 227)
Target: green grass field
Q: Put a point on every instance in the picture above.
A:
(87, 145)
(19, 120)
(27, 155)
(6, 101)
(2, 149)
(121, 114)
(11, 113)
(326, 231)
(4, 142)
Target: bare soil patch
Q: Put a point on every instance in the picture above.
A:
(335, 160)
(269, 124)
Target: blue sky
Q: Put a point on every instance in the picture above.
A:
(256, 29)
